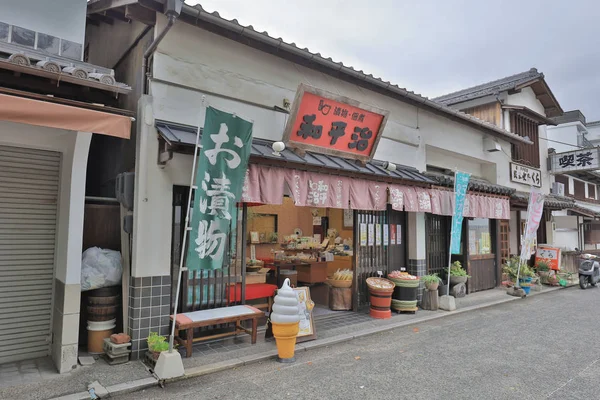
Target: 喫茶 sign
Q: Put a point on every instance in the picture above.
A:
(578, 160)
(327, 123)
(222, 165)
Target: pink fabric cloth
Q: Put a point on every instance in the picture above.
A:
(366, 195)
(339, 192)
(298, 184)
(411, 201)
(397, 197)
(263, 184)
(423, 200)
(436, 207)
(447, 202)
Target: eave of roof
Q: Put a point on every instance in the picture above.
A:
(478, 185)
(183, 138)
(551, 201)
(510, 83)
(529, 113)
(247, 35)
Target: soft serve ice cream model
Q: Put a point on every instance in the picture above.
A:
(285, 320)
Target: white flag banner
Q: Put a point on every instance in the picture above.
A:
(534, 216)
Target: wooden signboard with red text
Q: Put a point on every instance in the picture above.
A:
(323, 122)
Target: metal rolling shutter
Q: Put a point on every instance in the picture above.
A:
(29, 182)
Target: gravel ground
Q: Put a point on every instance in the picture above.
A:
(527, 349)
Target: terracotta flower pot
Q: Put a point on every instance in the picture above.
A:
(285, 338)
(433, 286)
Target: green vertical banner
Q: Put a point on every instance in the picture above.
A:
(221, 168)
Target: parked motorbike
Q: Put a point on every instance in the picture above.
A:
(589, 271)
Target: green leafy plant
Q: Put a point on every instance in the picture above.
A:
(456, 269)
(431, 278)
(526, 271)
(542, 265)
(157, 343)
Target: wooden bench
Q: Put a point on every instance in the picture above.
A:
(225, 315)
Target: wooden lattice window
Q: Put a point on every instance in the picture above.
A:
(438, 242)
(504, 241)
(525, 153)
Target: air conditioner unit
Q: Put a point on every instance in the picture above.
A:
(558, 189)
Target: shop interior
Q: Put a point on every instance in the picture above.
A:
(313, 247)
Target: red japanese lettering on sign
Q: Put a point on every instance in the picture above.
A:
(332, 126)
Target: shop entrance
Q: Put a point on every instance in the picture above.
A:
(481, 245)
(378, 256)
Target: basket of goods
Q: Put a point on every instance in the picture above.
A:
(405, 293)
(380, 291)
(404, 279)
(341, 279)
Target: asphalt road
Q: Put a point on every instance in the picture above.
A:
(537, 348)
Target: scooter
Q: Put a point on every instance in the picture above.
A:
(589, 271)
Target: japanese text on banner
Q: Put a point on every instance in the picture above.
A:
(534, 216)
(461, 182)
(221, 168)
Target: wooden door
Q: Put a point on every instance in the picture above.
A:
(481, 248)
(483, 272)
(437, 229)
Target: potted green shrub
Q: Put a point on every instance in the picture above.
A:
(458, 273)
(431, 281)
(157, 344)
(543, 268)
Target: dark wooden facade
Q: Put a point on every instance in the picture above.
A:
(525, 127)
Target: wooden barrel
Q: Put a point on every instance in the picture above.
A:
(380, 304)
(103, 306)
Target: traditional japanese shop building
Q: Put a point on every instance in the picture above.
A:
(524, 105)
(369, 142)
(48, 119)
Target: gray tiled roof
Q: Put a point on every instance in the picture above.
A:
(185, 135)
(550, 201)
(246, 34)
(475, 184)
(490, 88)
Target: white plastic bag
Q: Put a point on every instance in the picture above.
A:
(100, 268)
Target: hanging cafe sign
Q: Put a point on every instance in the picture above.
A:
(572, 161)
(326, 123)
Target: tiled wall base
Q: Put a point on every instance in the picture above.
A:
(418, 268)
(149, 310)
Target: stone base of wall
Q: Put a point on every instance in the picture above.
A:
(149, 310)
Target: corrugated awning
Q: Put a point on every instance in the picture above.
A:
(184, 136)
(60, 116)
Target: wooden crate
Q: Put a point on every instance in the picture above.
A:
(255, 277)
(316, 272)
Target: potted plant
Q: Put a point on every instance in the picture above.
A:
(458, 274)
(157, 344)
(543, 268)
(431, 281)
(526, 274)
(526, 286)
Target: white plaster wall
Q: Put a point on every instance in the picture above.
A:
(250, 82)
(593, 133)
(61, 18)
(527, 99)
(566, 239)
(565, 133)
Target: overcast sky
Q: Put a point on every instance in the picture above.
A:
(434, 47)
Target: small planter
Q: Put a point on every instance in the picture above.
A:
(455, 280)
(526, 289)
(433, 286)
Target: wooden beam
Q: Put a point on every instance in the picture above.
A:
(103, 5)
(116, 14)
(92, 22)
(101, 18)
(153, 5)
(141, 14)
